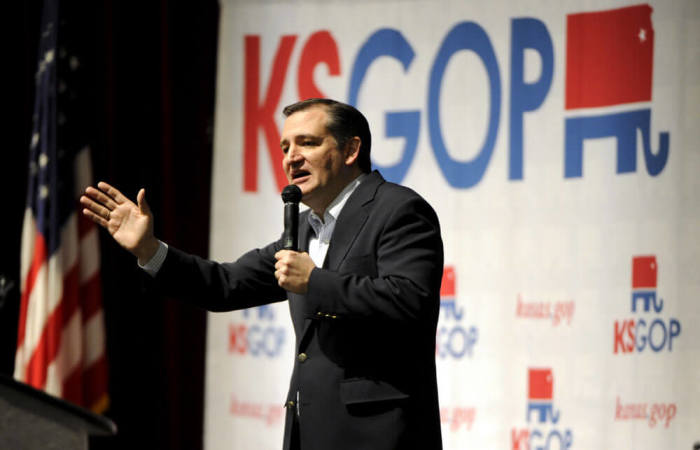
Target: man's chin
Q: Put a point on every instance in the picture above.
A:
(307, 196)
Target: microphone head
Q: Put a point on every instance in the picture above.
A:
(291, 194)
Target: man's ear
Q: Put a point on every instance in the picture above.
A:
(352, 150)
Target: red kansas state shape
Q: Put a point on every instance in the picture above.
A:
(447, 288)
(644, 272)
(609, 57)
(541, 384)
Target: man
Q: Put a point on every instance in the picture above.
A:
(363, 290)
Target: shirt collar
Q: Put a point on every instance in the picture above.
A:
(335, 207)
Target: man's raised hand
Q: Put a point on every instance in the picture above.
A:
(131, 225)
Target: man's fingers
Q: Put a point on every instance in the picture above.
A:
(99, 220)
(112, 192)
(94, 207)
(282, 253)
(281, 268)
(101, 197)
(292, 270)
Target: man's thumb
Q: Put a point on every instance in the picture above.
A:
(143, 204)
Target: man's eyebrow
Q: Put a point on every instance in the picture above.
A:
(299, 137)
(306, 136)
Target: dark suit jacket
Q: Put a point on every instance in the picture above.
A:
(365, 331)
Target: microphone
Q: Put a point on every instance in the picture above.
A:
(291, 195)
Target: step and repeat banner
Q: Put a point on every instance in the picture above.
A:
(558, 143)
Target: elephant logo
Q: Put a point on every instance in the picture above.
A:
(539, 398)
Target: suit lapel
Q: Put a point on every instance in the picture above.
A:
(304, 231)
(349, 224)
(351, 220)
(296, 302)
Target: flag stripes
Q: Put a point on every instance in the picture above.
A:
(60, 341)
(61, 345)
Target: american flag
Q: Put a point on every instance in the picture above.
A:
(61, 336)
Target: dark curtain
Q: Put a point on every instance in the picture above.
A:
(152, 71)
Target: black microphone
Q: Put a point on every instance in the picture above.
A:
(291, 195)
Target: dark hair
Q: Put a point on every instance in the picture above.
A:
(344, 123)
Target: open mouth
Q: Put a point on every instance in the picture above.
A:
(299, 174)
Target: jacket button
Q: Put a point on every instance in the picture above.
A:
(289, 404)
(302, 357)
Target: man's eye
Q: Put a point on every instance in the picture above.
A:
(285, 150)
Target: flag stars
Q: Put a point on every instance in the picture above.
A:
(35, 139)
(43, 160)
(47, 31)
(43, 191)
(642, 35)
(48, 57)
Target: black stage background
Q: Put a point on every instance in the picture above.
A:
(152, 70)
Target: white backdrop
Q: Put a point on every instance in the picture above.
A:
(546, 339)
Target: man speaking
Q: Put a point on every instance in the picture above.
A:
(363, 289)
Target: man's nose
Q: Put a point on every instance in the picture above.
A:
(293, 155)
